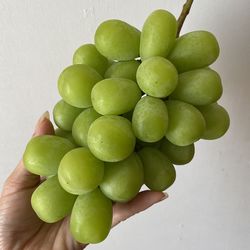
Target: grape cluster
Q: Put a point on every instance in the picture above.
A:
(133, 104)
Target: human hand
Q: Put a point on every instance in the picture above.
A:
(20, 228)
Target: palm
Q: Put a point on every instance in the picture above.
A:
(20, 228)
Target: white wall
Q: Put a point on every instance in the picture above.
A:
(209, 205)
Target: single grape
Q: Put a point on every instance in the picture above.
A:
(80, 171)
(44, 153)
(159, 172)
(186, 123)
(217, 121)
(65, 114)
(117, 40)
(65, 134)
(81, 126)
(122, 180)
(115, 96)
(75, 84)
(198, 87)
(111, 138)
(51, 202)
(150, 119)
(158, 34)
(88, 54)
(194, 50)
(156, 76)
(91, 217)
(123, 70)
(178, 155)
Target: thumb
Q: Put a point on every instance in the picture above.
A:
(44, 126)
(20, 178)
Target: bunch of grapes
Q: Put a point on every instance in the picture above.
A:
(133, 104)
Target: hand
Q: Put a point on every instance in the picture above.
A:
(20, 228)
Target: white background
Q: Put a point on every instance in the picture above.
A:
(209, 205)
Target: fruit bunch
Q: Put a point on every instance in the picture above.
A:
(133, 104)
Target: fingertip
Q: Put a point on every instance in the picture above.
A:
(44, 125)
(144, 200)
(153, 196)
(164, 196)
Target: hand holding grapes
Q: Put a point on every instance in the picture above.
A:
(20, 228)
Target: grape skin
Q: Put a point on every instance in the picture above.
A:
(178, 155)
(111, 138)
(198, 87)
(157, 77)
(186, 123)
(217, 121)
(123, 180)
(64, 115)
(44, 153)
(80, 171)
(75, 84)
(150, 119)
(194, 50)
(125, 37)
(159, 172)
(124, 93)
(91, 217)
(123, 70)
(51, 202)
(81, 126)
(88, 54)
(158, 34)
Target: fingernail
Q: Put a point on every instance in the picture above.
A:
(44, 116)
(164, 196)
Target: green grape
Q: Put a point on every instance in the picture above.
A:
(217, 121)
(65, 134)
(88, 54)
(65, 114)
(123, 70)
(198, 87)
(91, 217)
(51, 202)
(186, 123)
(178, 155)
(111, 138)
(44, 153)
(158, 34)
(150, 119)
(115, 96)
(122, 180)
(81, 126)
(80, 171)
(194, 50)
(159, 172)
(117, 40)
(75, 84)
(156, 76)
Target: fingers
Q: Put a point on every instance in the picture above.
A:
(121, 211)
(144, 200)
(20, 178)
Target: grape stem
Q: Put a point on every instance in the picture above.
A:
(185, 10)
